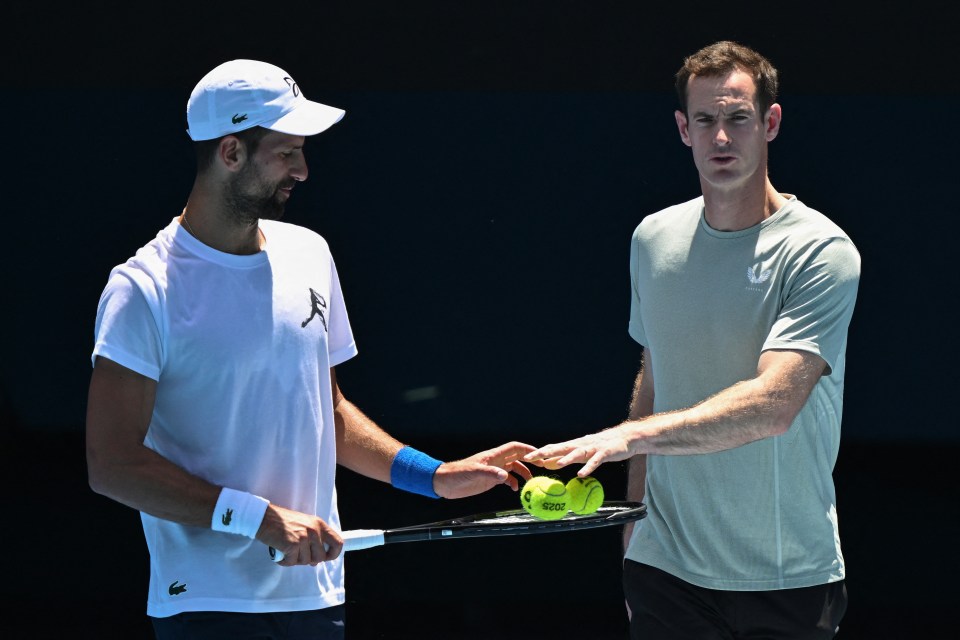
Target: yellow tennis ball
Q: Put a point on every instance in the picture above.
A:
(544, 497)
(586, 495)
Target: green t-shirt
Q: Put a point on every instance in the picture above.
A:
(707, 303)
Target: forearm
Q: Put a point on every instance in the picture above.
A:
(750, 410)
(148, 482)
(362, 446)
(641, 406)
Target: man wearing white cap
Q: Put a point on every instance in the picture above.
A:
(214, 407)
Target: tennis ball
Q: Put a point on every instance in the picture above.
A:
(586, 495)
(544, 497)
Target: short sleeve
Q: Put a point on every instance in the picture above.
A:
(819, 305)
(126, 329)
(635, 328)
(340, 340)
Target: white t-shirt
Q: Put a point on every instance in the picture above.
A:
(241, 348)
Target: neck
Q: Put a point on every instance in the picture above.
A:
(219, 232)
(740, 208)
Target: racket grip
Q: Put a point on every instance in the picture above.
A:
(357, 539)
(353, 540)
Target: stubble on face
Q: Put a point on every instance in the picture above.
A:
(250, 197)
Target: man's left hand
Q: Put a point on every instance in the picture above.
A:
(482, 471)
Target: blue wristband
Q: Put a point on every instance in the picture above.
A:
(413, 471)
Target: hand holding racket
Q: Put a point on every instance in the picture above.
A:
(515, 522)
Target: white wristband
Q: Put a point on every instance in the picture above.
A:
(239, 512)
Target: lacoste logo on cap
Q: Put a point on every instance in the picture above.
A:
(227, 517)
(237, 118)
(176, 589)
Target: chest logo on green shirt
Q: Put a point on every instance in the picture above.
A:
(317, 306)
(758, 275)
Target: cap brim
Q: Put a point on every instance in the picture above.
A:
(307, 119)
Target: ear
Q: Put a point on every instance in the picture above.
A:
(774, 116)
(232, 153)
(682, 127)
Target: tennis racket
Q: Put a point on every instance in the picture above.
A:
(516, 522)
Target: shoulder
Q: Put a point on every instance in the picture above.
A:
(804, 219)
(286, 233)
(148, 266)
(669, 219)
(818, 239)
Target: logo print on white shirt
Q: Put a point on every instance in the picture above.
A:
(317, 306)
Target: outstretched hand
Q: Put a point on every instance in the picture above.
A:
(593, 450)
(482, 471)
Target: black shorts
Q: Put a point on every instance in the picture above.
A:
(318, 624)
(663, 607)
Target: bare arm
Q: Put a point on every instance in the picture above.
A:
(119, 408)
(641, 406)
(760, 407)
(121, 467)
(364, 447)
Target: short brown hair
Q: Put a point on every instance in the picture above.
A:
(721, 58)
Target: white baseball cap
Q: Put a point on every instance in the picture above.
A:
(242, 94)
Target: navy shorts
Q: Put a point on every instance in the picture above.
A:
(663, 607)
(317, 624)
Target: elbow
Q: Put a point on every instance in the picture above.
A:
(782, 421)
(95, 479)
(98, 474)
(780, 427)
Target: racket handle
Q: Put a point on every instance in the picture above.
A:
(353, 540)
(357, 539)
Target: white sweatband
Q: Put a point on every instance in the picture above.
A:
(239, 512)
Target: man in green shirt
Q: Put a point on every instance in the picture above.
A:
(741, 299)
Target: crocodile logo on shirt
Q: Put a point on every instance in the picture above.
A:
(176, 589)
(317, 307)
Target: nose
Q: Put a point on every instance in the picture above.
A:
(721, 139)
(298, 170)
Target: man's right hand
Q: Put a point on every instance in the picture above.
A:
(302, 538)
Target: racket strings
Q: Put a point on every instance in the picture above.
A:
(520, 518)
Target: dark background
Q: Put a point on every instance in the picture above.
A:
(478, 197)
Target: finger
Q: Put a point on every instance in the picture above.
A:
(302, 555)
(501, 474)
(333, 548)
(508, 452)
(520, 469)
(552, 464)
(288, 559)
(318, 552)
(515, 448)
(533, 456)
(595, 461)
(549, 451)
